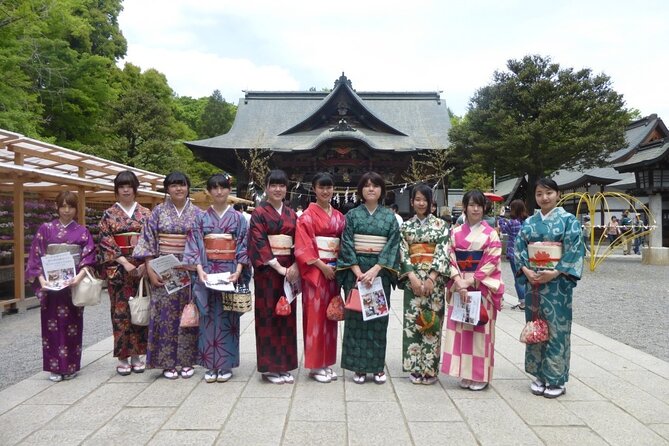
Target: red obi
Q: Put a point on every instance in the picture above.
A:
(468, 261)
(126, 242)
(220, 247)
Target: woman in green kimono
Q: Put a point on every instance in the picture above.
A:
(423, 262)
(551, 287)
(369, 248)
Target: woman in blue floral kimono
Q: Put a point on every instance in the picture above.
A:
(217, 244)
(369, 248)
(164, 232)
(553, 288)
(424, 262)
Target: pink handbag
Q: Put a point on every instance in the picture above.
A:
(190, 316)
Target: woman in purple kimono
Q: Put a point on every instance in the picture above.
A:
(217, 244)
(119, 231)
(164, 232)
(62, 322)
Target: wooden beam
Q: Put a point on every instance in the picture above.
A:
(19, 236)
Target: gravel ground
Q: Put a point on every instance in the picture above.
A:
(622, 299)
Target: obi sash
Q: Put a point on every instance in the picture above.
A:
(126, 242)
(171, 243)
(544, 255)
(57, 248)
(281, 244)
(468, 261)
(421, 252)
(368, 244)
(220, 247)
(328, 248)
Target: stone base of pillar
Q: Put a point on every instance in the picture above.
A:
(654, 256)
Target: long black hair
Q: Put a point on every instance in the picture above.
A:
(473, 196)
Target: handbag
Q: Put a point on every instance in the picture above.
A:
(536, 330)
(282, 307)
(483, 315)
(335, 310)
(139, 306)
(190, 316)
(87, 292)
(353, 300)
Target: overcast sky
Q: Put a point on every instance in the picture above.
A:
(418, 45)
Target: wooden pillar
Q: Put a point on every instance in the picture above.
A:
(81, 200)
(19, 234)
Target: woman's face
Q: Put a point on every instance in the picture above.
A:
(178, 192)
(420, 204)
(125, 193)
(66, 212)
(219, 194)
(371, 193)
(474, 212)
(546, 198)
(276, 192)
(323, 193)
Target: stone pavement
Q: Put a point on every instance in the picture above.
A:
(616, 395)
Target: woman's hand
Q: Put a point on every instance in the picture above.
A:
(154, 278)
(42, 281)
(77, 279)
(428, 285)
(546, 276)
(201, 275)
(531, 275)
(234, 277)
(292, 273)
(416, 285)
(369, 276)
(327, 270)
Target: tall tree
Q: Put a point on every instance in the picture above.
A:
(537, 118)
(217, 117)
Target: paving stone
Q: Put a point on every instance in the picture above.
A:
(445, 433)
(505, 369)
(247, 367)
(46, 437)
(301, 433)
(131, 426)
(425, 403)
(256, 421)
(652, 383)
(148, 376)
(23, 420)
(376, 423)
(578, 391)
(183, 438)
(70, 391)
(369, 391)
(18, 393)
(661, 429)
(613, 424)
(257, 387)
(605, 358)
(569, 436)
(582, 367)
(207, 407)
(493, 422)
(165, 392)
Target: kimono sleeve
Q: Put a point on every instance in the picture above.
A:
(389, 255)
(108, 250)
(347, 257)
(573, 250)
(441, 261)
(488, 272)
(520, 252)
(260, 252)
(87, 249)
(147, 245)
(305, 241)
(405, 255)
(37, 250)
(193, 254)
(242, 253)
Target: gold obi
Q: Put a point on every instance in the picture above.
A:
(368, 244)
(421, 253)
(281, 244)
(171, 243)
(328, 248)
(220, 247)
(57, 248)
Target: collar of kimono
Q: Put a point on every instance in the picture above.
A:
(220, 215)
(128, 211)
(179, 211)
(65, 226)
(544, 217)
(372, 211)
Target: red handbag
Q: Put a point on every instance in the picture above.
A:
(353, 301)
(536, 330)
(483, 315)
(335, 310)
(282, 307)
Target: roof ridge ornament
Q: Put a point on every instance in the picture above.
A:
(343, 126)
(343, 80)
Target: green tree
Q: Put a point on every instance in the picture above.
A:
(475, 177)
(189, 111)
(537, 118)
(217, 117)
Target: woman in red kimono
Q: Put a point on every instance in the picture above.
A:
(317, 239)
(270, 249)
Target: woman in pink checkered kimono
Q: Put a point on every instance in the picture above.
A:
(475, 254)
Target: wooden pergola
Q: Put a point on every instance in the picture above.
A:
(36, 167)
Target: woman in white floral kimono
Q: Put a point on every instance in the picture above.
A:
(423, 262)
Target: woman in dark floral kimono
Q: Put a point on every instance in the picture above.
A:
(369, 248)
(271, 238)
(119, 231)
(62, 322)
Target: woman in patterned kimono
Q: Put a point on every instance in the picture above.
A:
(164, 232)
(217, 244)
(424, 262)
(317, 239)
(548, 362)
(362, 259)
(475, 266)
(125, 217)
(62, 322)
(271, 235)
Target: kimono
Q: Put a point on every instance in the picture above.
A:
(421, 351)
(276, 336)
(469, 351)
(319, 333)
(364, 346)
(168, 345)
(549, 361)
(218, 341)
(129, 340)
(62, 322)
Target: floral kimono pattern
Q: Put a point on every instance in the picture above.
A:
(364, 346)
(218, 342)
(549, 361)
(62, 322)
(421, 351)
(129, 339)
(169, 345)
